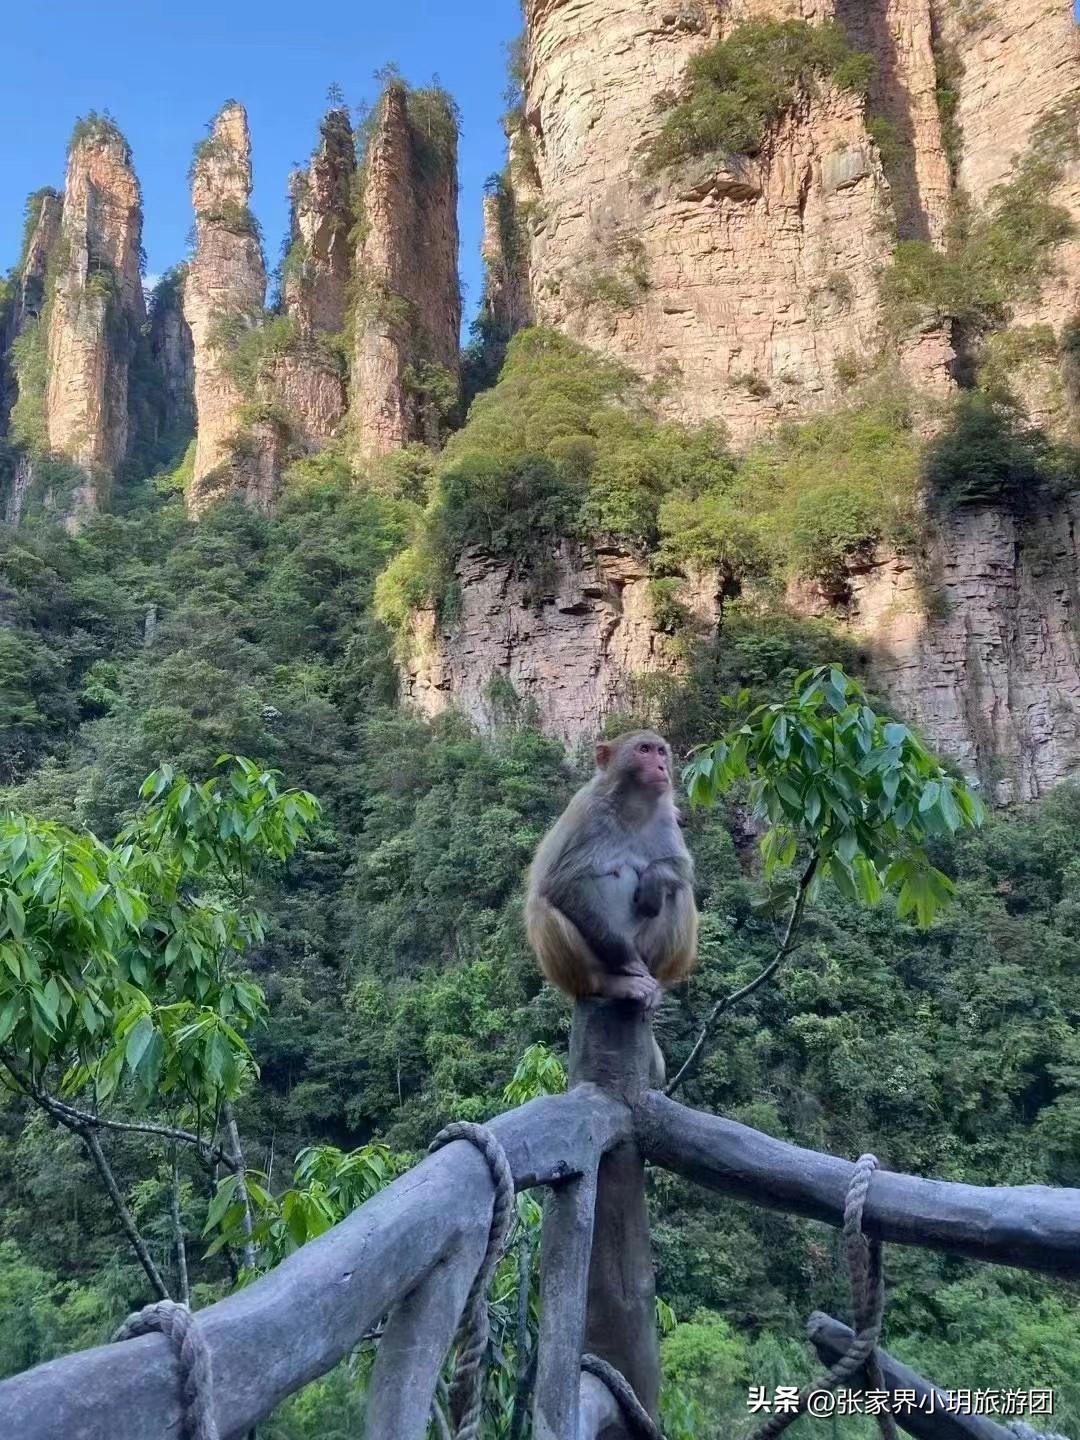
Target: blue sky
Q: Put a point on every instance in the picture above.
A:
(163, 70)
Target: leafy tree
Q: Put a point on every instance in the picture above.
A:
(117, 969)
(859, 796)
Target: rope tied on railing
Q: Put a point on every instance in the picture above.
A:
(181, 1329)
(638, 1420)
(467, 1390)
(868, 1306)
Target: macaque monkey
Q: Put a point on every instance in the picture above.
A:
(610, 908)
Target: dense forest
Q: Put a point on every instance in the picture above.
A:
(292, 905)
(399, 990)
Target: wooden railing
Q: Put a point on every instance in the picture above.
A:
(410, 1254)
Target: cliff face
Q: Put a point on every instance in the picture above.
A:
(309, 383)
(319, 263)
(745, 282)
(409, 303)
(95, 308)
(990, 669)
(1016, 78)
(173, 354)
(225, 290)
(899, 34)
(44, 213)
(30, 295)
(574, 652)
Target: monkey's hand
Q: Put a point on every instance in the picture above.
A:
(642, 988)
(649, 895)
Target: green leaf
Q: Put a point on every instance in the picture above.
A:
(929, 797)
(15, 915)
(139, 1037)
(9, 1014)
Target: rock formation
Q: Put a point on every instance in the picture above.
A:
(1016, 71)
(45, 208)
(408, 318)
(309, 382)
(744, 281)
(224, 294)
(173, 354)
(899, 34)
(573, 653)
(978, 644)
(318, 266)
(27, 295)
(95, 307)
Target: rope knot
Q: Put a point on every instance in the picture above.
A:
(467, 1391)
(181, 1329)
(868, 1306)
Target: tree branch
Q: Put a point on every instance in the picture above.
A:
(93, 1145)
(178, 1233)
(788, 943)
(526, 1363)
(251, 1258)
(61, 1110)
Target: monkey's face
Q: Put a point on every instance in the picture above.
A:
(652, 762)
(641, 760)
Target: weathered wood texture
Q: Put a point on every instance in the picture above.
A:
(565, 1249)
(414, 1345)
(298, 1321)
(1033, 1226)
(831, 1339)
(612, 1045)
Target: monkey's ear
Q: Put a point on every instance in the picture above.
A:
(603, 754)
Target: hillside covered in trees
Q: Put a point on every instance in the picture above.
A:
(408, 582)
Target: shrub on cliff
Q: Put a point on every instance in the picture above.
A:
(990, 455)
(995, 257)
(562, 447)
(737, 90)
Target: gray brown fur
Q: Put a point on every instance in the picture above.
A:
(610, 908)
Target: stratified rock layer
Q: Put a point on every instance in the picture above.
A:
(1018, 67)
(573, 649)
(45, 209)
(95, 308)
(740, 282)
(309, 383)
(408, 318)
(225, 287)
(173, 354)
(991, 675)
(30, 295)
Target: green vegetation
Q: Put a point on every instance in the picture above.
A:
(99, 128)
(992, 259)
(30, 367)
(565, 446)
(400, 993)
(948, 72)
(234, 215)
(991, 455)
(738, 90)
(618, 279)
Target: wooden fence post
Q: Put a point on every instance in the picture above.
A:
(612, 1047)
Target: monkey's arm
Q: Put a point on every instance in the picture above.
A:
(661, 877)
(586, 905)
